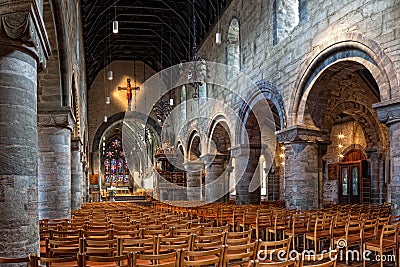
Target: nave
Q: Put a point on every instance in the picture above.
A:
(219, 234)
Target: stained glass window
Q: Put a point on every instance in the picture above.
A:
(115, 165)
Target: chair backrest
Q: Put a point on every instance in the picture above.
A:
(238, 238)
(170, 259)
(239, 254)
(168, 244)
(203, 257)
(125, 260)
(31, 259)
(294, 262)
(273, 249)
(137, 244)
(207, 242)
(389, 232)
(312, 259)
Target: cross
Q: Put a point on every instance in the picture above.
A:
(128, 90)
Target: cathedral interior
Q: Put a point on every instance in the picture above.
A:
(253, 115)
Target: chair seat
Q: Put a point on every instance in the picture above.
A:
(386, 243)
(319, 234)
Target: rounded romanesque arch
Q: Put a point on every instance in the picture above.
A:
(218, 123)
(352, 47)
(120, 116)
(194, 146)
(366, 117)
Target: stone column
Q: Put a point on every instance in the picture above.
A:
(302, 166)
(248, 191)
(54, 165)
(76, 174)
(389, 113)
(24, 48)
(374, 160)
(216, 179)
(193, 172)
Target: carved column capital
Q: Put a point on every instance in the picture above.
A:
(61, 118)
(22, 26)
(388, 112)
(302, 134)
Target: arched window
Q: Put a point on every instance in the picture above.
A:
(183, 103)
(285, 17)
(115, 166)
(233, 48)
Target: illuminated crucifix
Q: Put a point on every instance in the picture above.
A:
(128, 90)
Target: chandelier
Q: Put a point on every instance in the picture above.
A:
(196, 73)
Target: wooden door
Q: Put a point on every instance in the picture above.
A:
(350, 183)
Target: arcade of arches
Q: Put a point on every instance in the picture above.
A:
(300, 102)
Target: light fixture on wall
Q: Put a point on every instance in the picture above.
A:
(218, 34)
(108, 100)
(282, 155)
(341, 137)
(115, 22)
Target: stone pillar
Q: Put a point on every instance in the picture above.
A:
(193, 172)
(54, 165)
(76, 174)
(389, 113)
(216, 179)
(302, 166)
(248, 191)
(374, 162)
(24, 47)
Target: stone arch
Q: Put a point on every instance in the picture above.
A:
(120, 116)
(266, 91)
(364, 117)
(351, 147)
(181, 147)
(218, 124)
(219, 119)
(353, 47)
(194, 146)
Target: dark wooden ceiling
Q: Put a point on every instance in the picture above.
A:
(144, 28)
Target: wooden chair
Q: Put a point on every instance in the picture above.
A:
(208, 242)
(388, 241)
(137, 244)
(269, 251)
(294, 262)
(240, 254)
(352, 238)
(106, 248)
(203, 257)
(63, 248)
(170, 259)
(27, 259)
(238, 238)
(169, 244)
(263, 222)
(125, 260)
(71, 261)
(280, 224)
(325, 259)
(298, 229)
(319, 232)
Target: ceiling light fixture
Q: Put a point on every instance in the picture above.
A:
(218, 34)
(115, 22)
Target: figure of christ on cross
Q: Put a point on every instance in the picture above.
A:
(128, 90)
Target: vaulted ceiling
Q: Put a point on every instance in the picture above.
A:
(146, 28)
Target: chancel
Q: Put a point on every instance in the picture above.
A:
(256, 124)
